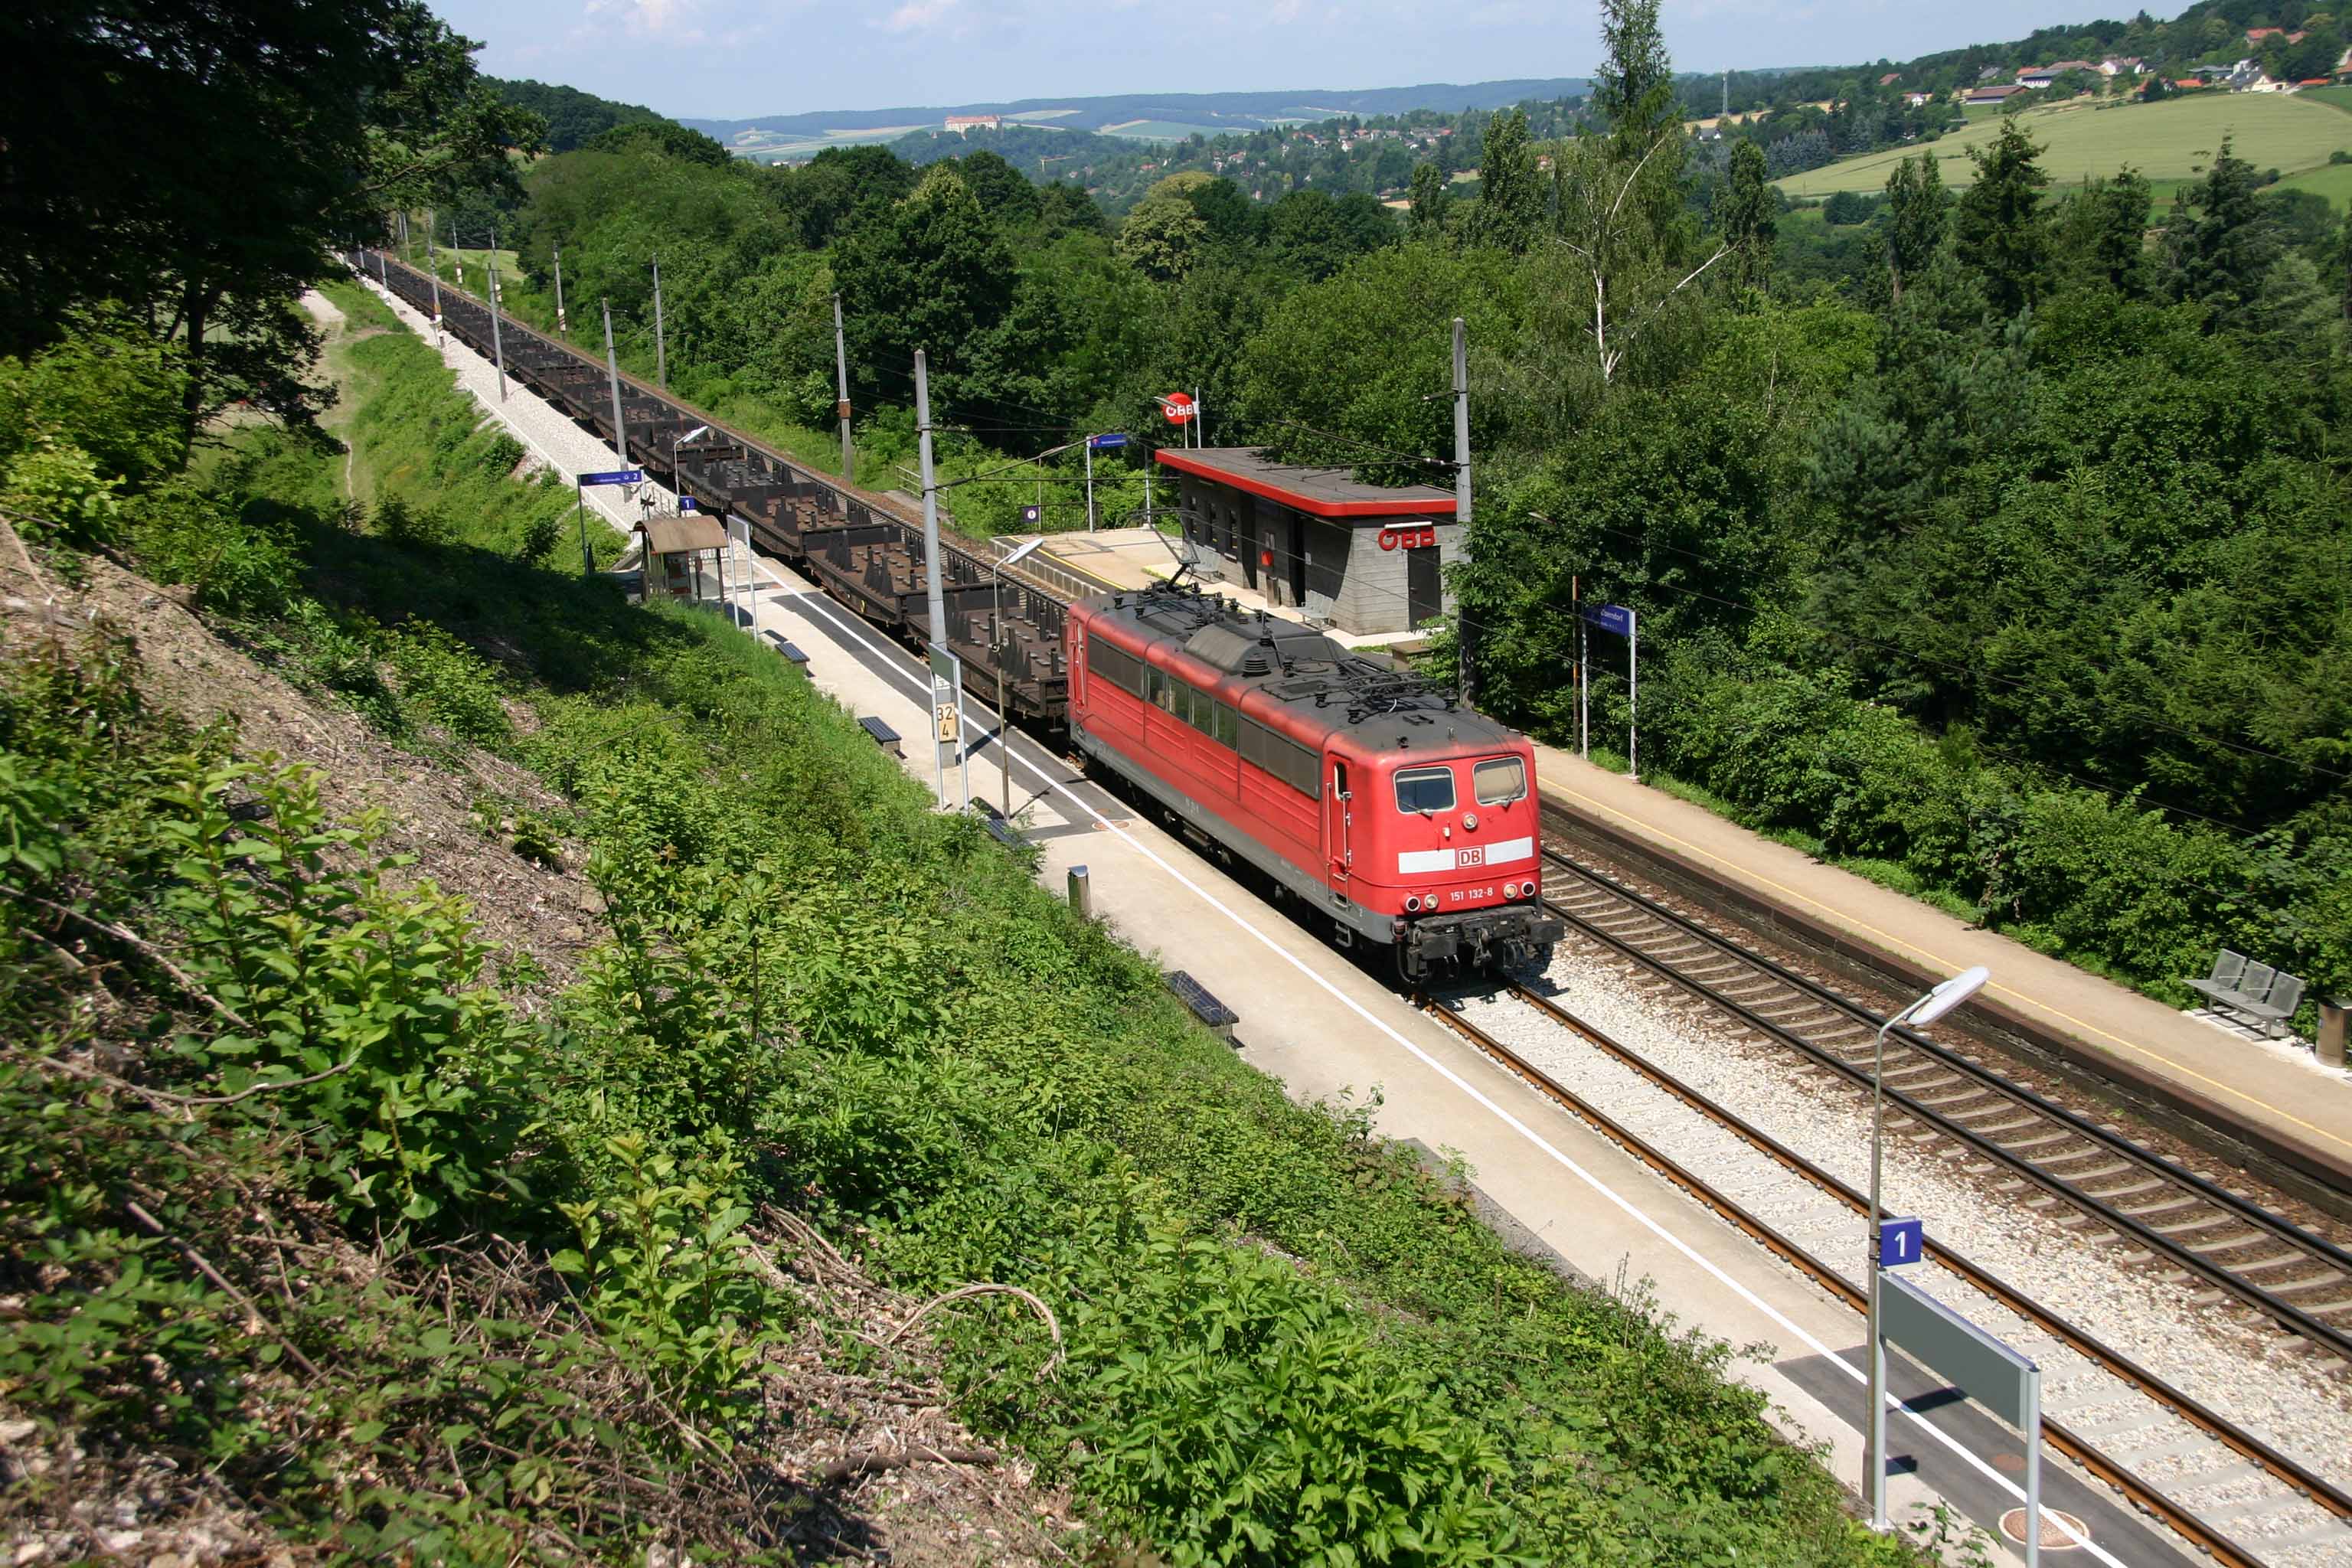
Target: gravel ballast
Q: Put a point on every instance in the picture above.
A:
(2256, 1378)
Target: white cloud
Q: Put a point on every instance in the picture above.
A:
(915, 15)
(672, 21)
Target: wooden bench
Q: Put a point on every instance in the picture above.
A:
(884, 736)
(1215, 1015)
(2264, 996)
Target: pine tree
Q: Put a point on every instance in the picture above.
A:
(1918, 210)
(1750, 221)
(1510, 209)
(2222, 243)
(2000, 225)
(1429, 201)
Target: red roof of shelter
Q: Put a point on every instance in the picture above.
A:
(1321, 492)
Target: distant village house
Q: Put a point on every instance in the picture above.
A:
(965, 124)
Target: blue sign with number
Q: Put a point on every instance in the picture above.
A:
(1032, 513)
(1105, 443)
(685, 504)
(1901, 1241)
(616, 476)
(1610, 618)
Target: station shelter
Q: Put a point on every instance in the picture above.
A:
(675, 546)
(1360, 558)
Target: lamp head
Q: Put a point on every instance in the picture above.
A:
(1950, 994)
(1020, 550)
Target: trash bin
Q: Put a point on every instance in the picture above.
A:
(2331, 1031)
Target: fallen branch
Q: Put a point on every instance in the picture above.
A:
(202, 1266)
(842, 1470)
(1053, 1324)
(186, 981)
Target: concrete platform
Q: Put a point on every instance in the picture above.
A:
(2277, 1090)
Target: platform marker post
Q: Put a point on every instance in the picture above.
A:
(1947, 996)
(1465, 672)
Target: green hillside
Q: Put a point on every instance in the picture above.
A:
(2171, 140)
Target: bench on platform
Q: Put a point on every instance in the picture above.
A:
(884, 736)
(792, 655)
(1215, 1015)
(2266, 997)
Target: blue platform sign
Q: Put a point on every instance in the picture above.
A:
(1105, 443)
(616, 476)
(1900, 1241)
(1611, 618)
(1032, 514)
(685, 504)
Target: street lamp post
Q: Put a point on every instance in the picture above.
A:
(1947, 996)
(996, 636)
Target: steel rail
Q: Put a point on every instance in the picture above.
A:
(2280, 1230)
(2140, 1492)
(2212, 1423)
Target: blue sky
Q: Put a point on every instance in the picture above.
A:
(737, 58)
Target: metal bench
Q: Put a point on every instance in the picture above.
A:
(792, 655)
(1215, 1015)
(884, 736)
(2266, 997)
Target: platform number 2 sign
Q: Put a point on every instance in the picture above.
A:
(1900, 1241)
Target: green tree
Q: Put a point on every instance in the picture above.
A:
(2001, 230)
(1634, 85)
(1750, 215)
(932, 274)
(1918, 217)
(1509, 212)
(1233, 220)
(1004, 192)
(2101, 232)
(1430, 199)
(2221, 242)
(197, 160)
(1163, 237)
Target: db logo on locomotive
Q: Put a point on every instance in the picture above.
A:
(1418, 536)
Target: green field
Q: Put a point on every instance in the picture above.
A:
(2173, 140)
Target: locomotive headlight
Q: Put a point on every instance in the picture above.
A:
(1510, 889)
(1412, 902)
(1470, 822)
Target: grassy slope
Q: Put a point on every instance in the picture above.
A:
(2171, 140)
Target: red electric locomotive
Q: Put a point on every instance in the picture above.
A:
(1409, 820)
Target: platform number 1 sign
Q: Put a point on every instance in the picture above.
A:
(1900, 1241)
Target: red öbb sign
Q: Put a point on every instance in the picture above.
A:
(1178, 407)
(1417, 536)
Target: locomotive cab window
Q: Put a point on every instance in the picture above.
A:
(1499, 781)
(1424, 789)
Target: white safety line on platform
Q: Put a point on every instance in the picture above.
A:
(1559, 1156)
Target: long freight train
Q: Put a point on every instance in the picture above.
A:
(1408, 821)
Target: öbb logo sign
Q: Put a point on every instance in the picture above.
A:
(1415, 536)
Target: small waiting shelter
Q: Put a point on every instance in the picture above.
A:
(1360, 558)
(675, 547)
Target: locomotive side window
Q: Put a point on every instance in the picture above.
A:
(1164, 691)
(1286, 759)
(1499, 781)
(1424, 789)
(1115, 665)
(1228, 727)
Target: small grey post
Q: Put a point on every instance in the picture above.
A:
(841, 391)
(661, 337)
(613, 370)
(1200, 423)
(580, 507)
(497, 338)
(562, 322)
(1633, 700)
(1090, 484)
(934, 591)
(433, 260)
(1081, 893)
(1465, 668)
(2332, 1013)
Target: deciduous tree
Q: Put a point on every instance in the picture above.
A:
(1918, 216)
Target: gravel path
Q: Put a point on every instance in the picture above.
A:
(2035, 1243)
(553, 440)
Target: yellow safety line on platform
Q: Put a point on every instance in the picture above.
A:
(1844, 919)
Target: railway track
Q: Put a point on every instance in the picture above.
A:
(2288, 1479)
(2300, 1281)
